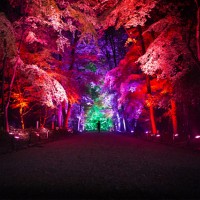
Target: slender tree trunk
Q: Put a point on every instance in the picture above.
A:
(124, 124)
(79, 123)
(67, 115)
(174, 117)
(76, 38)
(75, 41)
(9, 95)
(80, 119)
(153, 123)
(43, 117)
(2, 87)
(123, 120)
(59, 116)
(22, 118)
(148, 84)
(13, 76)
(118, 122)
(110, 37)
(112, 42)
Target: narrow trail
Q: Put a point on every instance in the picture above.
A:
(104, 166)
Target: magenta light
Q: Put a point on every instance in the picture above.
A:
(197, 136)
(157, 135)
(16, 137)
(176, 135)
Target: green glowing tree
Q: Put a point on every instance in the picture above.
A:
(95, 114)
(98, 111)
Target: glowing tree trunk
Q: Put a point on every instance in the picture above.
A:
(123, 120)
(66, 122)
(59, 116)
(198, 29)
(79, 123)
(124, 124)
(9, 95)
(81, 119)
(118, 127)
(151, 109)
(152, 117)
(22, 117)
(174, 117)
(75, 41)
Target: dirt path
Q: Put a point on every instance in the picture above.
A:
(105, 166)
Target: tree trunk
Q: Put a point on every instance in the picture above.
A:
(152, 117)
(113, 47)
(174, 117)
(110, 38)
(76, 38)
(118, 122)
(75, 41)
(148, 84)
(2, 87)
(79, 123)
(80, 119)
(43, 117)
(22, 118)
(12, 79)
(59, 116)
(9, 95)
(67, 115)
(124, 124)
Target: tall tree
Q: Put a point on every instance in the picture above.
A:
(10, 61)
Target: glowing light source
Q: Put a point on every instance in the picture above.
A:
(157, 135)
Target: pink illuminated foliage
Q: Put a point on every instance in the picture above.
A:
(37, 48)
(168, 56)
(65, 45)
(47, 90)
(36, 89)
(125, 15)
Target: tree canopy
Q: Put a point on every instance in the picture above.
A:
(143, 54)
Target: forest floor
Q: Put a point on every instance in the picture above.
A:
(100, 166)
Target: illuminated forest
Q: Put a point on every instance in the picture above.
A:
(132, 65)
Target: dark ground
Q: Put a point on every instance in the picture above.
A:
(104, 166)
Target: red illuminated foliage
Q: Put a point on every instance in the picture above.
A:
(57, 42)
